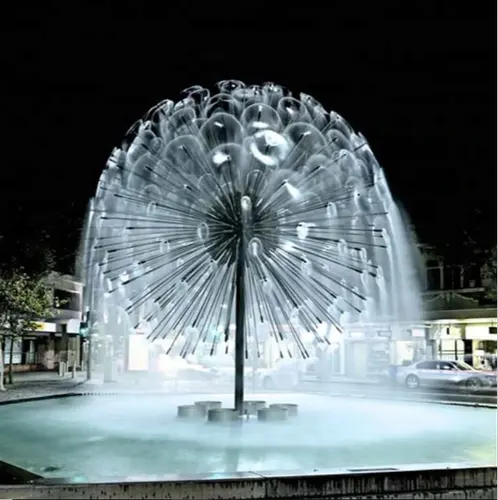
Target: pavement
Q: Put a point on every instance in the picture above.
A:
(43, 385)
(40, 384)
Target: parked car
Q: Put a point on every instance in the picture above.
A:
(491, 377)
(438, 373)
(252, 378)
(287, 375)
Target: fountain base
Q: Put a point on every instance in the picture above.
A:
(291, 408)
(275, 414)
(223, 415)
(188, 412)
(252, 407)
(204, 406)
(213, 411)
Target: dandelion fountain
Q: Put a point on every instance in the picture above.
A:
(248, 207)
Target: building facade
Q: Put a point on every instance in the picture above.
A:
(460, 312)
(459, 322)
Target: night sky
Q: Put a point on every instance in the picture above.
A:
(419, 82)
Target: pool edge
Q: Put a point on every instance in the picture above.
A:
(432, 480)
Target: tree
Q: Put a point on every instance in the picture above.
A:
(489, 274)
(471, 242)
(24, 300)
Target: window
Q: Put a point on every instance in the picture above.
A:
(457, 281)
(447, 278)
(16, 351)
(472, 277)
(492, 330)
(433, 278)
(454, 278)
(488, 346)
(445, 365)
(427, 365)
(68, 301)
(460, 365)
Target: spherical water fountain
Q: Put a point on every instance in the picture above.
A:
(250, 208)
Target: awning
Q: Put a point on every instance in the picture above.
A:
(462, 314)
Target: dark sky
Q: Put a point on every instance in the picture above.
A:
(419, 82)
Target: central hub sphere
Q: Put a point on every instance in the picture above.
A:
(222, 232)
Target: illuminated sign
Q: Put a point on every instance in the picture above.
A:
(418, 332)
(44, 327)
(356, 335)
(138, 353)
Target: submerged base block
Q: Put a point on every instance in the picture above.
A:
(291, 408)
(252, 407)
(188, 411)
(223, 415)
(204, 406)
(273, 414)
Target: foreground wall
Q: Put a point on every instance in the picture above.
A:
(10, 474)
(442, 482)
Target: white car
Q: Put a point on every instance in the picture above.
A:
(286, 376)
(443, 373)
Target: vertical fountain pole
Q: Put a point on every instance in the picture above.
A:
(240, 309)
(90, 316)
(87, 273)
(245, 208)
(89, 347)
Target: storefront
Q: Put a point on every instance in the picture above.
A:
(30, 351)
(411, 346)
(461, 327)
(466, 335)
(370, 351)
(367, 353)
(447, 341)
(480, 344)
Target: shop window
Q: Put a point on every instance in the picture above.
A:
(487, 346)
(16, 352)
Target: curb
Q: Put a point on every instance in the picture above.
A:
(40, 398)
(412, 400)
(90, 394)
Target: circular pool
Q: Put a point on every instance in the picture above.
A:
(141, 435)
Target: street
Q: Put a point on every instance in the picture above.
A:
(485, 396)
(48, 384)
